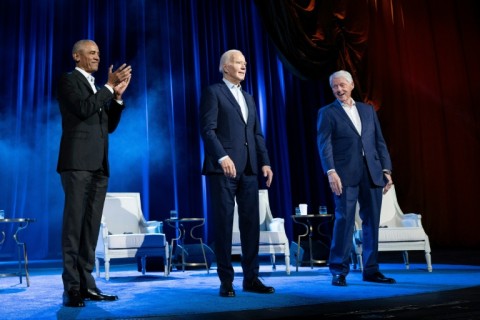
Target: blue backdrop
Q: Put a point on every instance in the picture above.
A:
(174, 48)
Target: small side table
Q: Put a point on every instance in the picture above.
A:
(306, 221)
(22, 224)
(179, 225)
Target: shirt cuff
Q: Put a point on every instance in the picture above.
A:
(109, 88)
(221, 159)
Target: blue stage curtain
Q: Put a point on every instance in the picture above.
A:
(174, 48)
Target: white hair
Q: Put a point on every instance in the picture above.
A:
(341, 74)
(227, 56)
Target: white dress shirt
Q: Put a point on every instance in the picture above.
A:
(352, 113)
(236, 90)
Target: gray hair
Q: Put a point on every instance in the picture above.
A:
(227, 56)
(78, 46)
(341, 74)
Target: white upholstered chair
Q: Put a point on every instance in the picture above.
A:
(273, 239)
(124, 233)
(398, 231)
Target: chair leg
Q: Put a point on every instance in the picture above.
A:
(353, 257)
(97, 267)
(144, 263)
(25, 262)
(107, 269)
(429, 261)
(287, 264)
(405, 258)
(272, 259)
(360, 262)
(166, 261)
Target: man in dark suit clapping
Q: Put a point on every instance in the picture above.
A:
(89, 114)
(235, 152)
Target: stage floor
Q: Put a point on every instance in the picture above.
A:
(451, 291)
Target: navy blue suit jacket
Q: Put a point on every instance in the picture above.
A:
(341, 147)
(225, 132)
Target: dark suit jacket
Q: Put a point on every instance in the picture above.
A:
(341, 146)
(224, 131)
(87, 119)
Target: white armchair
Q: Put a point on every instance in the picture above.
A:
(273, 239)
(124, 233)
(398, 231)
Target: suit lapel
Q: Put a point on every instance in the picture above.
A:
(343, 114)
(82, 79)
(363, 116)
(231, 98)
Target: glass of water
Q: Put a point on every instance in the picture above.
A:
(322, 210)
(173, 214)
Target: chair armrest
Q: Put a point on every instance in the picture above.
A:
(411, 220)
(102, 243)
(103, 230)
(152, 226)
(277, 224)
(415, 216)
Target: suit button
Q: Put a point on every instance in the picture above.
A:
(246, 144)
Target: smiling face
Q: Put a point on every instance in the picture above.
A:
(87, 56)
(342, 89)
(235, 68)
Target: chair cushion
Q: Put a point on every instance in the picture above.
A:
(266, 238)
(136, 240)
(271, 237)
(401, 234)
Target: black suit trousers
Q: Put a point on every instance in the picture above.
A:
(85, 193)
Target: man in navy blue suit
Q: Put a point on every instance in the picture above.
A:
(354, 155)
(235, 152)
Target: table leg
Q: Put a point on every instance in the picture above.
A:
(201, 244)
(25, 259)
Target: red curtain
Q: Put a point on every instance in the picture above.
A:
(416, 61)
(423, 72)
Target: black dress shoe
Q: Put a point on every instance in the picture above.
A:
(226, 290)
(97, 295)
(339, 280)
(378, 277)
(73, 298)
(257, 286)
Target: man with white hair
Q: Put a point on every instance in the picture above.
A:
(235, 152)
(354, 155)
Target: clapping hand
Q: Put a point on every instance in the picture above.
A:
(119, 75)
(119, 79)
